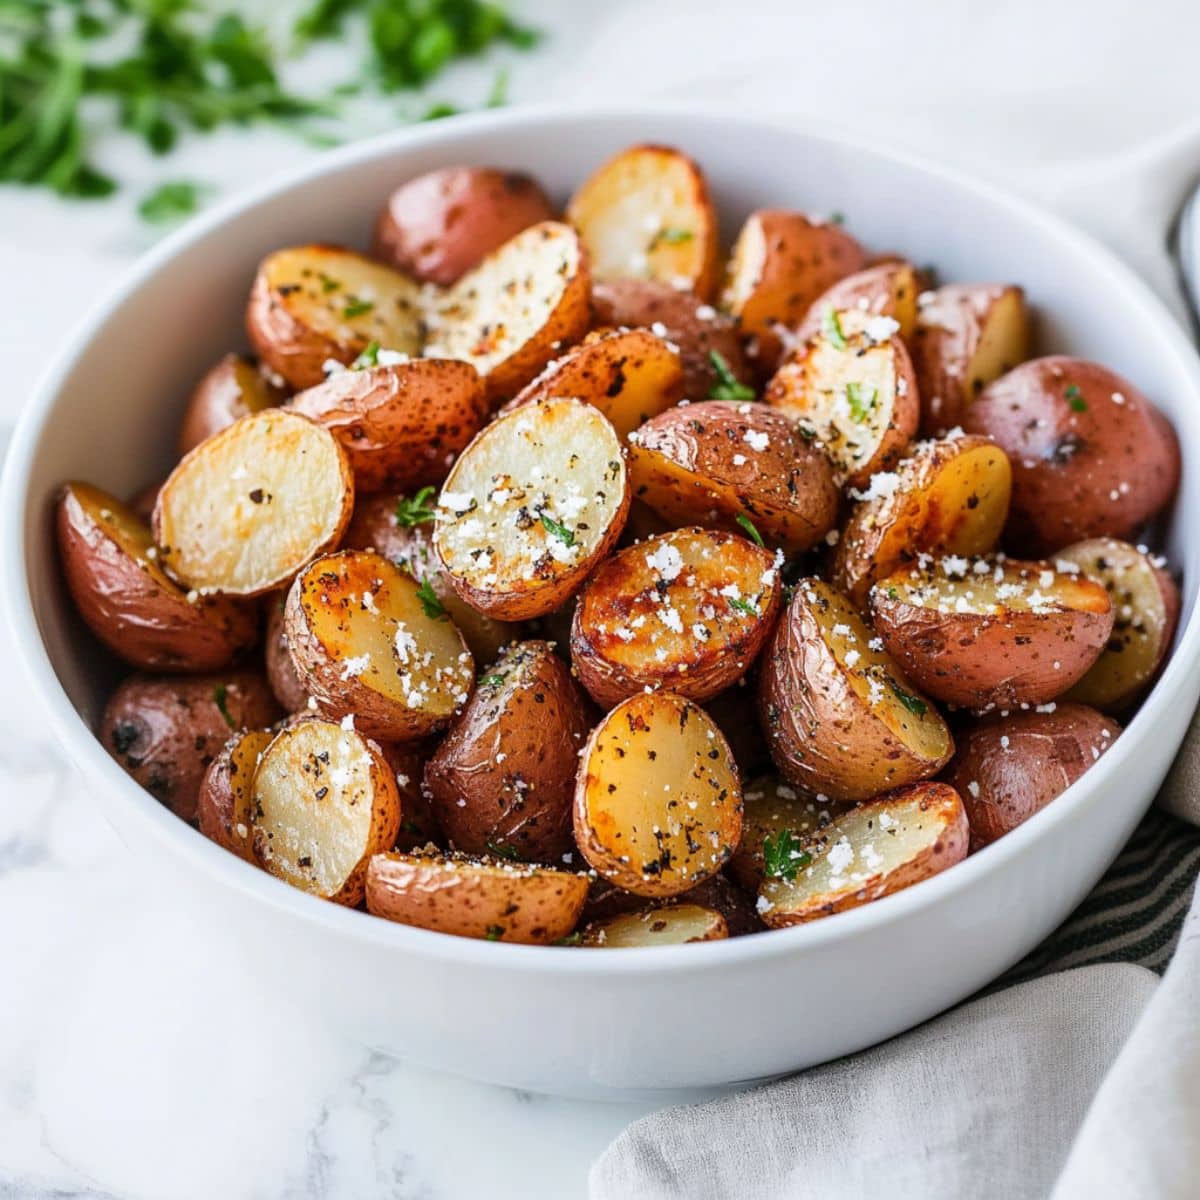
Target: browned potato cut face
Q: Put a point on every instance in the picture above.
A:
(630, 375)
(853, 394)
(986, 633)
(722, 464)
(233, 388)
(658, 807)
(777, 818)
(247, 509)
(842, 720)
(670, 925)
(889, 289)
(367, 642)
(313, 304)
(324, 803)
(532, 504)
(511, 314)
(647, 214)
(1145, 603)
(870, 851)
(496, 901)
(120, 589)
(949, 497)
(226, 807)
(687, 611)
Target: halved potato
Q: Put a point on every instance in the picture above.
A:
(967, 335)
(949, 497)
(870, 851)
(670, 925)
(512, 313)
(718, 893)
(854, 395)
(311, 305)
(630, 375)
(841, 718)
(647, 214)
(658, 807)
(781, 262)
(226, 804)
(982, 633)
(401, 426)
(722, 464)
(777, 821)
(325, 801)
(888, 289)
(370, 644)
(113, 572)
(499, 901)
(1145, 602)
(531, 505)
(231, 389)
(247, 509)
(687, 612)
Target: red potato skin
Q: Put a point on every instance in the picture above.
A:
(440, 225)
(281, 671)
(418, 825)
(1045, 753)
(889, 289)
(1071, 453)
(218, 808)
(229, 390)
(143, 502)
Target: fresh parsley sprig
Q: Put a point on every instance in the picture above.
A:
(728, 385)
(417, 510)
(783, 856)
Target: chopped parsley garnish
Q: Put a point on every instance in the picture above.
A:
(492, 680)
(860, 409)
(670, 237)
(831, 326)
(329, 285)
(429, 600)
(357, 308)
(1073, 395)
(728, 385)
(742, 606)
(751, 532)
(220, 698)
(435, 112)
(892, 594)
(572, 939)
(782, 855)
(914, 704)
(171, 202)
(415, 511)
(368, 358)
(494, 933)
(502, 850)
(561, 532)
(837, 218)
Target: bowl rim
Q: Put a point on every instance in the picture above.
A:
(86, 752)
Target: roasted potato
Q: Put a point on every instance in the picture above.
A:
(165, 731)
(842, 720)
(314, 305)
(114, 575)
(1091, 456)
(1145, 604)
(530, 507)
(949, 497)
(988, 633)
(325, 801)
(870, 851)
(658, 807)
(967, 335)
(510, 315)
(233, 388)
(401, 426)
(630, 375)
(853, 395)
(647, 214)
(247, 509)
(418, 826)
(724, 465)
(503, 778)
(781, 262)
(667, 925)
(687, 612)
(370, 644)
(887, 289)
(733, 711)
(440, 225)
(226, 802)
(499, 901)
(1009, 767)
(282, 675)
(777, 821)
(717, 892)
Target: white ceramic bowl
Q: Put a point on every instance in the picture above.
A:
(560, 1020)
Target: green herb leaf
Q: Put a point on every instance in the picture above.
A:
(914, 704)
(670, 237)
(494, 933)
(561, 532)
(416, 511)
(502, 850)
(1078, 403)
(742, 606)
(367, 359)
(491, 680)
(357, 308)
(860, 409)
(572, 939)
(751, 532)
(435, 112)
(498, 96)
(783, 856)
(728, 385)
(328, 284)
(171, 202)
(831, 326)
(429, 600)
(220, 698)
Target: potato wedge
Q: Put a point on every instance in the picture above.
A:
(967, 335)
(401, 426)
(647, 214)
(658, 806)
(948, 497)
(842, 720)
(720, 464)
(370, 644)
(669, 925)
(503, 778)
(311, 305)
(1009, 767)
(887, 289)
(853, 395)
(630, 375)
(686, 612)
(870, 851)
(282, 675)
(777, 821)
(125, 598)
(325, 802)
(247, 509)
(986, 633)
(530, 507)
(510, 315)
(1145, 602)
(499, 901)
(226, 803)
(232, 388)
(781, 262)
